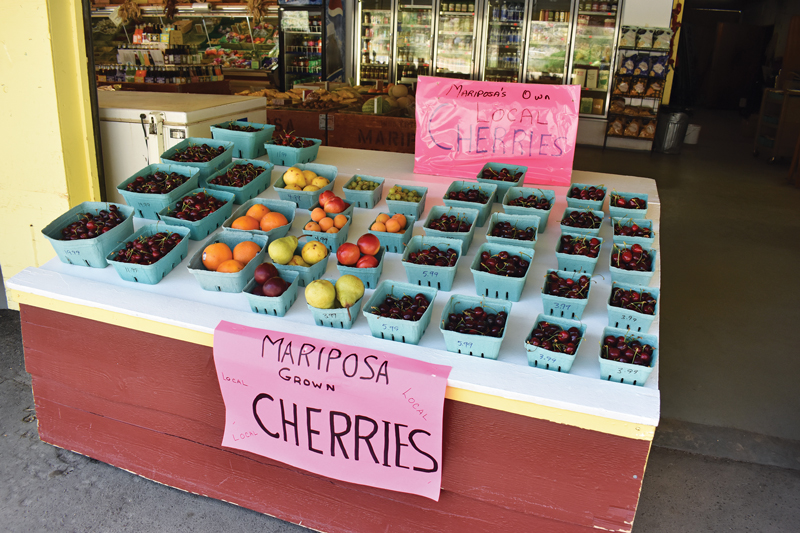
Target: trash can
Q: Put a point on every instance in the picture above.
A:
(671, 130)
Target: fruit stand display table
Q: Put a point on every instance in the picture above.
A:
(124, 373)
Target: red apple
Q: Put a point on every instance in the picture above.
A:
(325, 196)
(265, 271)
(367, 261)
(369, 244)
(348, 254)
(335, 205)
(274, 286)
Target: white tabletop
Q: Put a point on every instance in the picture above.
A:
(179, 300)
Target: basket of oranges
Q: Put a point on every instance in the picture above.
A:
(228, 261)
(393, 231)
(263, 216)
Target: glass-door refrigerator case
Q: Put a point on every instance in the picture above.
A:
(301, 45)
(596, 33)
(549, 30)
(413, 41)
(374, 41)
(503, 41)
(456, 40)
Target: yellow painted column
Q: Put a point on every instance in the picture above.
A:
(674, 56)
(49, 162)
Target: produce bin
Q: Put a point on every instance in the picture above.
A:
(629, 319)
(409, 209)
(147, 205)
(406, 331)
(273, 305)
(246, 144)
(623, 240)
(577, 263)
(307, 199)
(227, 281)
(559, 306)
(88, 252)
(369, 276)
(469, 215)
(283, 207)
(364, 199)
(518, 221)
(305, 274)
(476, 345)
(577, 203)
(503, 186)
(152, 274)
(287, 156)
(620, 212)
(250, 190)
(484, 210)
(205, 226)
(549, 360)
(332, 241)
(440, 277)
(632, 276)
(628, 373)
(207, 168)
(340, 318)
(494, 285)
(518, 192)
(594, 232)
(395, 242)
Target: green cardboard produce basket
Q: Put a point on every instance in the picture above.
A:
(518, 221)
(283, 207)
(147, 205)
(406, 331)
(307, 199)
(364, 199)
(152, 274)
(523, 192)
(207, 168)
(227, 281)
(205, 226)
(273, 305)
(468, 215)
(494, 285)
(252, 189)
(476, 345)
(440, 277)
(547, 359)
(490, 189)
(246, 144)
(288, 156)
(395, 242)
(628, 373)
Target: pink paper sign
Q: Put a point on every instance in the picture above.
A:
(462, 125)
(349, 413)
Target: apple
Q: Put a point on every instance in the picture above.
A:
(265, 271)
(274, 286)
(335, 205)
(369, 244)
(367, 261)
(325, 196)
(348, 254)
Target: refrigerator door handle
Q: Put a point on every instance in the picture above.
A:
(155, 137)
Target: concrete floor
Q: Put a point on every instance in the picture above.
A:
(727, 453)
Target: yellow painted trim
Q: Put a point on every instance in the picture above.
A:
(73, 100)
(552, 414)
(668, 85)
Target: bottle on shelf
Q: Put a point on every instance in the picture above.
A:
(504, 12)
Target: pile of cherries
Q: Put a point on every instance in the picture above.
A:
(477, 321)
(626, 350)
(567, 287)
(450, 224)
(89, 226)
(147, 250)
(588, 246)
(238, 175)
(405, 308)
(158, 183)
(553, 338)
(503, 264)
(532, 201)
(633, 203)
(236, 127)
(582, 219)
(469, 195)
(633, 258)
(506, 230)
(641, 302)
(589, 193)
(197, 153)
(433, 256)
(503, 175)
(293, 141)
(634, 230)
(195, 206)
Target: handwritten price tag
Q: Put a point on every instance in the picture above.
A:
(630, 371)
(429, 274)
(388, 327)
(464, 344)
(561, 306)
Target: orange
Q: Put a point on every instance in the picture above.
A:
(273, 220)
(392, 226)
(339, 221)
(312, 226)
(378, 226)
(230, 266)
(216, 254)
(246, 222)
(382, 218)
(325, 223)
(245, 251)
(257, 211)
(401, 219)
(317, 214)
(332, 230)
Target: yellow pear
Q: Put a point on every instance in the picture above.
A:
(314, 252)
(281, 250)
(320, 182)
(310, 188)
(294, 188)
(309, 175)
(349, 290)
(321, 294)
(294, 176)
(298, 261)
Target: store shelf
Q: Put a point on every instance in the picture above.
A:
(599, 13)
(658, 50)
(456, 13)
